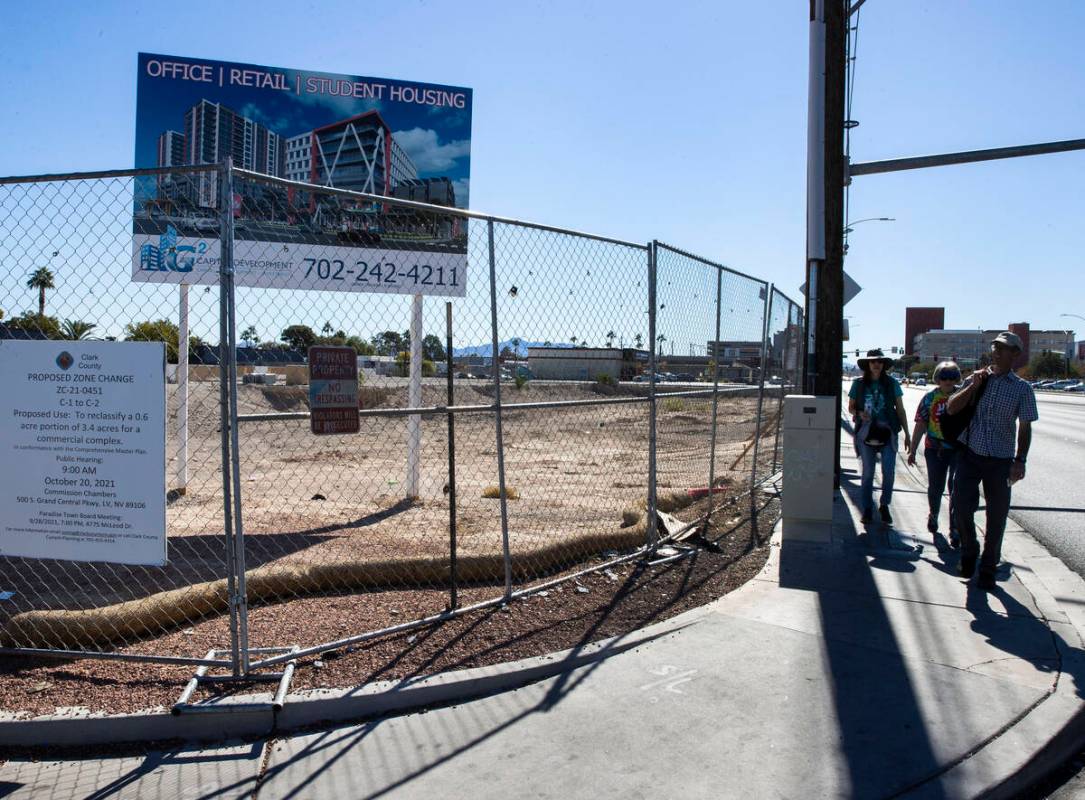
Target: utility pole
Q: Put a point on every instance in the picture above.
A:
(830, 297)
(825, 181)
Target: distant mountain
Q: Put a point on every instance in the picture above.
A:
(487, 349)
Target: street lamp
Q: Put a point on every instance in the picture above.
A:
(850, 226)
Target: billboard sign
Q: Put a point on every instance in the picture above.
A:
(333, 390)
(377, 136)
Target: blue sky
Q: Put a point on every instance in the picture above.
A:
(684, 123)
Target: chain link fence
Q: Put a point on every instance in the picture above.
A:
(528, 398)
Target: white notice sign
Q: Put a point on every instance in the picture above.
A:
(83, 451)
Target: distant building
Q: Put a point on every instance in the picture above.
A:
(735, 352)
(919, 320)
(967, 346)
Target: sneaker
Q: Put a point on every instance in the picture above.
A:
(887, 518)
(932, 523)
(955, 540)
(867, 516)
(966, 568)
(987, 581)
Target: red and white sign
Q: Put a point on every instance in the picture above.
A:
(333, 390)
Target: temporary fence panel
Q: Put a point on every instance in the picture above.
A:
(72, 269)
(574, 426)
(709, 346)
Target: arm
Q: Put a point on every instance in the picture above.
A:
(963, 396)
(917, 436)
(902, 415)
(1024, 441)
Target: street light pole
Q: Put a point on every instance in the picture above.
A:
(1072, 342)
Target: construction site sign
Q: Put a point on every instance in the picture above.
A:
(333, 390)
(83, 461)
(378, 136)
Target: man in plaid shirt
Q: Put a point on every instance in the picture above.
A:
(992, 453)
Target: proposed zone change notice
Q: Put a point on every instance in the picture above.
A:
(83, 460)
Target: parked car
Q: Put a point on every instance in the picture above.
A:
(685, 377)
(1059, 385)
(919, 382)
(1080, 387)
(1071, 387)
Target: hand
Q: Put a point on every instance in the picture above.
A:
(911, 456)
(908, 450)
(980, 376)
(864, 416)
(1017, 471)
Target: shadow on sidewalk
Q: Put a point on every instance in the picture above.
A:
(884, 734)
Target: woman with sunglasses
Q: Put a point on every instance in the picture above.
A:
(940, 455)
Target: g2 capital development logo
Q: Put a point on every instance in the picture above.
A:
(169, 256)
(65, 360)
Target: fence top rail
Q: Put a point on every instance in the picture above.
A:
(788, 299)
(109, 173)
(430, 208)
(709, 263)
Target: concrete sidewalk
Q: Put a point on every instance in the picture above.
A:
(858, 668)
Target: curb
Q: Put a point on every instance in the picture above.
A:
(221, 722)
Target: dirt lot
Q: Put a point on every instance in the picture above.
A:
(595, 606)
(324, 503)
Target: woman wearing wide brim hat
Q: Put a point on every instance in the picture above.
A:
(876, 405)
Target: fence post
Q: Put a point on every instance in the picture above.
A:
(715, 391)
(451, 460)
(497, 414)
(651, 528)
(760, 388)
(226, 234)
(182, 389)
(787, 380)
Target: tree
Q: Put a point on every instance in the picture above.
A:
(249, 336)
(638, 341)
(548, 343)
(611, 336)
(299, 337)
(361, 346)
(432, 349)
(327, 329)
(1048, 364)
(41, 279)
(76, 329)
(159, 330)
(661, 339)
(389, 343)
(506, 354)
(39, 324)
(516, 341)
(574, 340)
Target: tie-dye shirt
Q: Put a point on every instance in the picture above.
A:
(931, 408)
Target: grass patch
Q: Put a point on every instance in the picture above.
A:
(494, 492)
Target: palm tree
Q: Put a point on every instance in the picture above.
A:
(516, 341)
(611, 336)
(41, 279)
(661, 339)
(638, 340)
(76, 329)
(574, 340)
(250, 335)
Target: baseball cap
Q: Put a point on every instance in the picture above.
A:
(1009, 340)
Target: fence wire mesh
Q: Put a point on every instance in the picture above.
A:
(509, 446)
(66, 255)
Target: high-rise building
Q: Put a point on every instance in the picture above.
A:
(171, 149)
(359, 153)
(299, 158)
(214, 132)
(920, 320)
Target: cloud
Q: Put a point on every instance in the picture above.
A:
(428, 154)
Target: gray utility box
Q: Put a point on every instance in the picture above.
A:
(809, 446)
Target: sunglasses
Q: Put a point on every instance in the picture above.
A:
(948, 376)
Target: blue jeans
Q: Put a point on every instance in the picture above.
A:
(870, 457)
(941, 466)
(994, 473)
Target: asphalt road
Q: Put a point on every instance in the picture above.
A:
(1050, 502)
